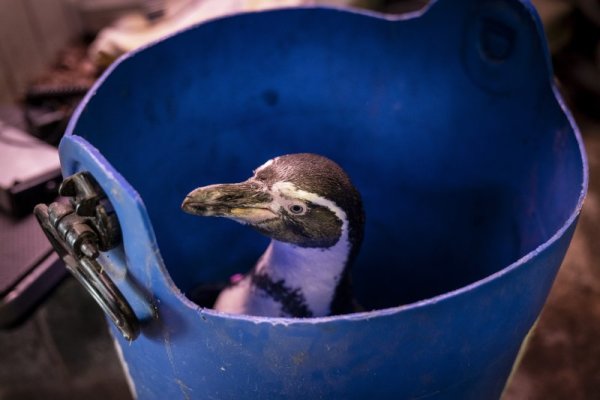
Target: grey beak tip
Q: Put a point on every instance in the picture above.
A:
(185, 205)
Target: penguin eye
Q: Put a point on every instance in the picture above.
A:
(296, 209)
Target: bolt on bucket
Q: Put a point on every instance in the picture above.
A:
(471, 170)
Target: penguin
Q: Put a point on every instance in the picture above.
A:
(314, 216)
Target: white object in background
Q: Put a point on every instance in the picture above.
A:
(23, 157)
(135, 30)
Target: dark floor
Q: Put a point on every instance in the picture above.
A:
(563, 357)
(62, 352)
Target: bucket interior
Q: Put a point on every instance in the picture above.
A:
(457, 182)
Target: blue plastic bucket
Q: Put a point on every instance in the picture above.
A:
(471, 170)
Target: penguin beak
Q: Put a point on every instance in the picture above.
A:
(242, 202)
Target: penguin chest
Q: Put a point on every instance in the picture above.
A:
(245, 298)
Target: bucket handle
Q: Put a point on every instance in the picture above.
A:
(79, 231)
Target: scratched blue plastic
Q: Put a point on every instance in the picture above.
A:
(472, 172)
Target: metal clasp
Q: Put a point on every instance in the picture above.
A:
(79, 231)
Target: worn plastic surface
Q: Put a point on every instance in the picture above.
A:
(471, 171)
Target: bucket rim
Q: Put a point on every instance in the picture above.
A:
(387, 311)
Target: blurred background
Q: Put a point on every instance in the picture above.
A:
(54, 342)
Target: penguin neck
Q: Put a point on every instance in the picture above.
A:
(314, 272)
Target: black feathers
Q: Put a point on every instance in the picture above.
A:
(292, 300)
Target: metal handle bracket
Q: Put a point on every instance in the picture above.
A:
(79, 231)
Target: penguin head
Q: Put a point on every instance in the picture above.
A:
(303, 199)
